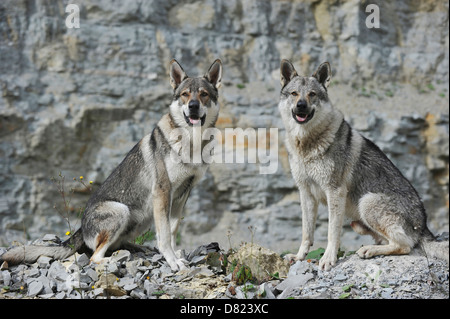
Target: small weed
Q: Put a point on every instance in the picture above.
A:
(344, 295)
(66, 196)
(145, 237)
(346, 291)
(275, 275)
(316, 254)
(158, 293)
(347, 288)
(375, 277)
(229, 234)
(242, 274)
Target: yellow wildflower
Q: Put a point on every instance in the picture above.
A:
(81, 177)
(68, 233)
(90, 182)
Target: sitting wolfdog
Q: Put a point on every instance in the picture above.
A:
(333, 164)
(149, 184)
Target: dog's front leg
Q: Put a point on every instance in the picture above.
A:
(309, 216)
(336, 199)
(161, 210)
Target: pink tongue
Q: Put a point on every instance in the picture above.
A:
(194, 121)
(301, 119)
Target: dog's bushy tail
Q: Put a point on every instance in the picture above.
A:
(436, 248)
(31, 253)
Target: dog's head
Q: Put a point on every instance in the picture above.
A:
(303, 97)
(195, 99)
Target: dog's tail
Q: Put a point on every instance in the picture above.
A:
(435, 248)
(31, 253)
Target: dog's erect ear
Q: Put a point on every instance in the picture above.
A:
(177, 74)
(323, 74)
(214, 74)
(287, 72)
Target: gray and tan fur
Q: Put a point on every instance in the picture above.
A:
(333, 164)
(148, 184)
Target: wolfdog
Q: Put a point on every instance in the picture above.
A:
(333, 164)
(148, 184)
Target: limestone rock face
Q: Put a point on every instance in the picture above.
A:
(76, 100)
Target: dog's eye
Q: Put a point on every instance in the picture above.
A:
(203, 94)
(185, 94)
(294, 93)
(312, 94)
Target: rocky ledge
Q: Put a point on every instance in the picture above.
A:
(251, 272)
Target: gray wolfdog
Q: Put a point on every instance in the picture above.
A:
(148, 184)
(333, 164)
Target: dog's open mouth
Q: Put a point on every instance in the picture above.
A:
(194, 119)
(303, 118)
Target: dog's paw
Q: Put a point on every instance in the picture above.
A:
(178, 264)
(182, 264)
(366, 251)
(327, 261)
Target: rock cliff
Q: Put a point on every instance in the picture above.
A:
(75, 101)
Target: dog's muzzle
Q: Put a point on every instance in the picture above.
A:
(301, 113)
(194, 114)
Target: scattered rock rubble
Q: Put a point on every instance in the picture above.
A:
(211, 275)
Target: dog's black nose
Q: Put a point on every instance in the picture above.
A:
(302, 105)
(194, 104)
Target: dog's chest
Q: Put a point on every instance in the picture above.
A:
(184, 176)
(309, 169)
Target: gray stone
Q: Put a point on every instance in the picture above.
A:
(300, 267)
(83, 260)
(32, 273)
(150, 288)
(200, 272)
(51, 238)
(125, 281)
(120, 256)
(386, 293)
(44, 261)
(138, 294)
(60, 295)
(133, 266)
(92, 274)
(6, 277)
(35, 288)
(157, 258)
(130, 287)
(108, 267)
(340, 277)
(74, 294)
(294, 281)
(196, 260)
(57, 271)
